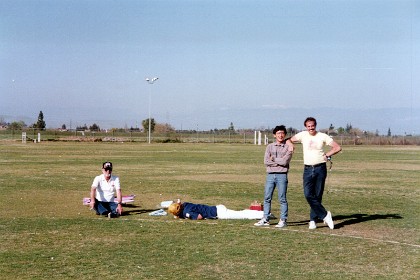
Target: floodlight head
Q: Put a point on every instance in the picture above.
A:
(152, 80)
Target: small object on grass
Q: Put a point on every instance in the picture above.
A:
(159, 212)
(165, 204)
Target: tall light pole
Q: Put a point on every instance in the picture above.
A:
(151, 82)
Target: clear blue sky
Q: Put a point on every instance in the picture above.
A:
(253, 63)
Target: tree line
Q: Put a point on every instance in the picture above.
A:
(165, 128)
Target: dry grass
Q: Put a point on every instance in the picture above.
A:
(45, 232)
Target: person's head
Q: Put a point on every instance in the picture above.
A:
(310, 124)
(107, 169)
(279, 133)
(175, 209)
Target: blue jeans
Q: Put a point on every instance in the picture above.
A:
(280, 181)
(313, 189)
(103, 208)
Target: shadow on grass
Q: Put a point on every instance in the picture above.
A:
(346, 220)
(135, 210)
(361, 218)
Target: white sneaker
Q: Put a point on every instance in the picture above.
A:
(262, 222)
(328, 220)
(281, 224)
(312, 225)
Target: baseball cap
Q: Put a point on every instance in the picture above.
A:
(107, 165)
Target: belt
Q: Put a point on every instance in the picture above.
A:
(315, 165)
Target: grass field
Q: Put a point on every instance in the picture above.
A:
(46, 232)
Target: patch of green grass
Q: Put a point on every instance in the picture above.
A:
(46, 232)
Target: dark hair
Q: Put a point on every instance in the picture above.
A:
(280, 128)
(309, 119)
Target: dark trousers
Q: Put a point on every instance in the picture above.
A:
(313, 189)
(103, 208)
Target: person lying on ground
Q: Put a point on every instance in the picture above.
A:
(193, 211)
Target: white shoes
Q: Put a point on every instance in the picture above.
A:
(328, 220)
(312, 225)
(281, 224)
(262, 223)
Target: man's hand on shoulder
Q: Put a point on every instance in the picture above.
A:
(290, 144)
